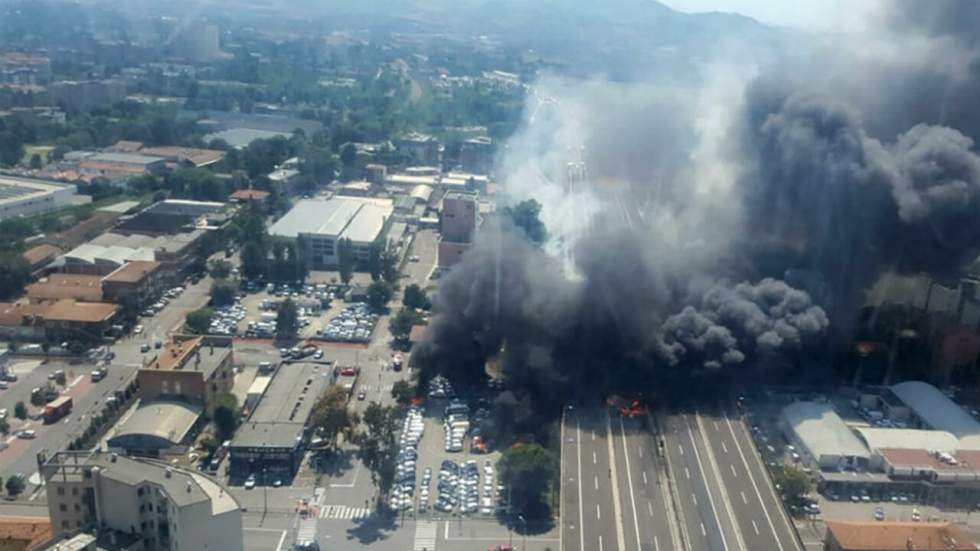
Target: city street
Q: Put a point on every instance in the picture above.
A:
(88, 397)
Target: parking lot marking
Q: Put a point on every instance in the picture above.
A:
(425, 536)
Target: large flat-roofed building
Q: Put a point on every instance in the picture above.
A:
(896, 536)
(170, 216)
(932, 409)
(187, 370)
(59, 320)
(24, 533)
(84, 288)
(422, 148)
(272, 440)
(28, 197)
(111, 251)
(822, 437)
(170, 508)
(317, 225)
(136, 283)
(114, 163)
(476, 155)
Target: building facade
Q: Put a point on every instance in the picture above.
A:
(170, 508)
(186, 369)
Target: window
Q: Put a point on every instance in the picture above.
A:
(78, 508)
(61, 490)
(74, 490)
(65, 524)
(63, 508)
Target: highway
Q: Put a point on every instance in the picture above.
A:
(705, 488)
(613, 493)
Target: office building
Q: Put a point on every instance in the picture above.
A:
(169, 508)
(422, 148)
(77, 96)
(317, 225)
(457, 225)
(187, 370)
(476, 155)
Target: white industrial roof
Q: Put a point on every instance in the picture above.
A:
(422, 192)
(359, 221)
(822, 431)
(908, 439)
(937, 410)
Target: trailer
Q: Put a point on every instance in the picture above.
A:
(57, 409)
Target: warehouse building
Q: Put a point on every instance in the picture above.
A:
(896, 536)
(317, 225)
(28, 197)
(270, 443)
(932, 409)
(822, 437)
(157, 428)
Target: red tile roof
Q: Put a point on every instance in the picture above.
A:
(132, 271)
(31, 532)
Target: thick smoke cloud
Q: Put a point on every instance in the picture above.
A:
(728, 223)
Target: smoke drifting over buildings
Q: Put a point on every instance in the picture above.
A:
(704, 196)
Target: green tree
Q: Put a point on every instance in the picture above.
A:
(524, 215)
(401, 323)
(415, 298)
(402, 392)
(331, 416)
(20, 411)
(318, 164)
(11, 148)
(15, 485)
(529, 471)
(224, 413)
(220, 269)
(36, 162)
(377, 445)
(14, 273)
(793, 484)
(345, 260)
(223, 292)
(379, 294)
(287, 320)
(254, 260)
(348, 155)
(199, 320)
(389, 266)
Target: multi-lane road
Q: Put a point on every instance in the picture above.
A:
(672, 481)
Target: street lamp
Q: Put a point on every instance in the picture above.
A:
(524, 539)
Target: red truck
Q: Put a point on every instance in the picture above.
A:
(57, 409)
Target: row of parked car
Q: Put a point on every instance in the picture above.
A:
(355, 323)
(459, 488)
(173, 293)
(403, 493)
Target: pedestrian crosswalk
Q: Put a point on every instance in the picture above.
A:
(341, 512)
(306, 530)
(369, 388)
(425, 536)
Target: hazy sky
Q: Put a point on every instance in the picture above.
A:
(832, 15)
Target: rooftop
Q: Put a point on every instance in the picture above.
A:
(86, 288)
(163, 420)
(282, 412)
(15, 188)
(40, 253)
(188, 355)
(132, 272)
(241, 137)
(82, 312)
(197, 157)
(822, 430)
(338, 216)
(138, 159)
(936, 409)
(879, 438)
(900, 536)
(24, 532)
(249, 194)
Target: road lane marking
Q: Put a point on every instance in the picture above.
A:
(596, 479)
(744, 501)
(640, 449)
(715, 423)
(758, 494)
(650, 508)
(732, 467)
(617, 511)
(645, 477)
(600, 543)
(755, 527)
(598, 513)
(724, 448)
(581, 511)
(680, 448)
(629, 480)
(656, 544)
(701, 469)
(281, 539)
(703, 531)
(694, 498)
(594, 458)
(687, 473)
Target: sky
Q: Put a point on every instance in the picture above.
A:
(815, 15)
